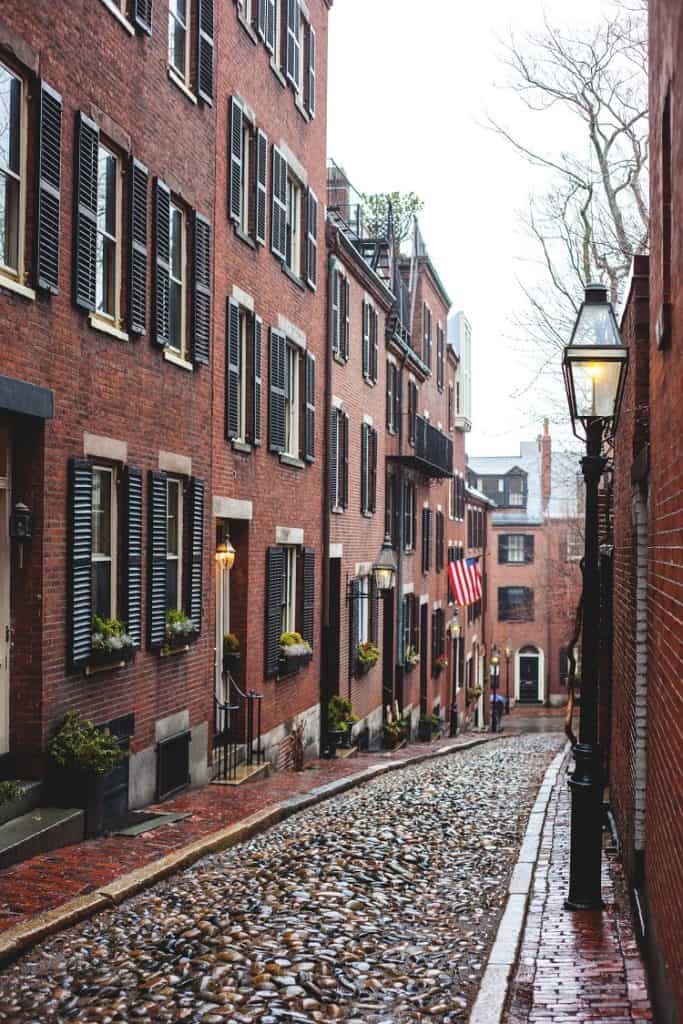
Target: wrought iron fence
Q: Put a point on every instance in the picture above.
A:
(237, 730)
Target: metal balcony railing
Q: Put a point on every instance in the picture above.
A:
(432, 452)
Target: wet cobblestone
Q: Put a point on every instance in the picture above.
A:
(375, 907)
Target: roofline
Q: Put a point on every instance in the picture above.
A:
(340, 245)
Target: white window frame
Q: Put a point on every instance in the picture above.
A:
(292, 401)
(17, 273)
(294, 223)
(182, 280)
(245, 191)
(246, 10)
(176, 482)
(363, 598)
(409, 514)
(98, 314)
(575, 546)
(288, 607)
(112, 558)
(517, 537)
(303, 54)
(173, 19)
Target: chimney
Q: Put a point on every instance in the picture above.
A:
(545, 448)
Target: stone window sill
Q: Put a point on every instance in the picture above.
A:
(278, 74)
(12, 285)
(292, 460)
(120, 16)
(99, 323)
(299, 103)
(172, 357)
(241, 446)
(180, 84)
(293, 277)
(338, 510)
(247, 28)
(339, 359)
(244, 238)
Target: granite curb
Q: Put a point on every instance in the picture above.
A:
(17, 940)
(490, 1002)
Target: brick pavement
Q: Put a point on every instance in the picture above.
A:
(44, 882)
(576, 968)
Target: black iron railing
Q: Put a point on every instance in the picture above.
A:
(433, 447)
(237, 730)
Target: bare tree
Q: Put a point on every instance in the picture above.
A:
(593, 217)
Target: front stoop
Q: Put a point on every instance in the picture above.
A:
(40, 831)
(245, 773)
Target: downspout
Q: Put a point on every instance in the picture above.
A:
(325, 490)
(400, 661)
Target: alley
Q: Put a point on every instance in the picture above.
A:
(376, 906)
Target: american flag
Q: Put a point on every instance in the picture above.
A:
(465, 580)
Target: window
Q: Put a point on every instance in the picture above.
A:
(515, 492)
(288, 607)
(368, 469)
(427, 335)
(179, 38)
(409, 516)
(339, 460)
(393, 398)
(12, 172)
(370, 344)
(574, 548)
(108, 258)
(451, 416)
(243, 378)
(177, 248)
(293, 226)
(292, 446)
(515, 604)
(363, 600)
(412, 412)
(438, 553)
(391, 508)
(663, 326)
(438, 637)
(410, 623)
(174, 543)
(515, 548)
(104, 531)
(564, 666)
(246, 10)
(427, 520)
(457, 498)
(440, 358)
(341, 324)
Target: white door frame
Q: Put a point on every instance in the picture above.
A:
(222, 624)
(5, 567)
(524, 651)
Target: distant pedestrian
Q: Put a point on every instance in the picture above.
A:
(497, 706)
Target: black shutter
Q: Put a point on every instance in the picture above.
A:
(270, 24)
(162, 270)
(310, 89)
(261, 18)
(366, 340)
(354, 623)
(412, 411)
(142, 15)
(372, 611)
(256, 381)
(346, 319)
(201, 346)
(372, 474)
(364, 467)
(398, 386)
(390, 397)
(132, 562)
(308, 590)
(426, 539)
(309, 407)
(195, 553)
(293, 49)
(311, 239)
(80, 562)
(86, 214)
(278, 214)
(236, 160)
(232, 381)
(137, 253)
(334, 319)
(275, 558)
(374, 346)
(49, 185)
(277, 384)
(529, 548)
(435, 640)
(205, 51)
(502, 549)
(344, 450)
(261, 186)
(335, 424)
(156, 542)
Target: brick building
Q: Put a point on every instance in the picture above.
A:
(645, 743)
(534, 548)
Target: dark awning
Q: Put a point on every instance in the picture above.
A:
(18, 396)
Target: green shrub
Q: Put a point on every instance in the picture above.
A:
(231, 644)
(80, 744)
(9, 792)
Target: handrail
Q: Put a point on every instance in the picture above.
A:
(237, 729)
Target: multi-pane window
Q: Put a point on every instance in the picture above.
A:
(107, 273)
(247, 170)
(103, 542)
(390, 508)
(409, 516)
(393, 398)
(440, 357)
(292, 372)
(427, 331)
(515, 548)
(177, 265)
(179, 38)
(370, 343)
(515, 604)
(293, 226)
(288, 608)
(410, 622)
(174, 543)
(516, 495)
(363, 609)
(368, 468)
(574, 547)
(10, 170)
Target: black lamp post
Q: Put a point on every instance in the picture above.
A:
(495, 671)
(594, 368)
(508, 655)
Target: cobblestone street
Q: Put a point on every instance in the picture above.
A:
(376, 906)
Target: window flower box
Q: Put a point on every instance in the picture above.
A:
(412, 658)
(180, 631)
(367, 657)
(101, 657)
(110, 644)
(295, 652)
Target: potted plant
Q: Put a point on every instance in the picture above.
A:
(180, 628)
(83, 756)
(294, 652)
(440, 663)
(367, 655)
(395, 728)
(412, 658)
(473, 693)
(428, 727)
(231, 654)
(340, 720)
(110, 643)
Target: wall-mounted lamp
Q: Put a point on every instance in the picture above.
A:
(384, 569)
(225, 552)
(21, 527)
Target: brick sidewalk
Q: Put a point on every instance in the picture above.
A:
(576, 968)
(46, 881)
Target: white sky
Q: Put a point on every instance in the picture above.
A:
(409, 85)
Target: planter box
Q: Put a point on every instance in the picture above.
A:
(409, 666)
(70, 787)
(231, 663)
(102, 659)
(291, 663)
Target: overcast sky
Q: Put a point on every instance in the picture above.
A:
(409, 87)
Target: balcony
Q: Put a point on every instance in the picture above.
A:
(432, 454)
(348, 211)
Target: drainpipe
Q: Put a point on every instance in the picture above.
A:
(400, 661)
(325, 489)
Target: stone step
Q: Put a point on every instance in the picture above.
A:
(245, 773)
(41, 830)
(31, 795)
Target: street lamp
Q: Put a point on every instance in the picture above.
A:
(594, 367)
(225, 553)
(454, 632)
(384, 569)
(508, 655)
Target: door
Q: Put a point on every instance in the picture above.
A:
(5, 630)
(424, 653)
(388, 650)
(528, 678)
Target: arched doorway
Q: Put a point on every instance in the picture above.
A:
(529, 675)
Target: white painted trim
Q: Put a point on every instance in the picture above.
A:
(424, 599)
(98, 323)
(232, 508)
(336, 550)
(436, 606)
(408, 588)
(392, 359)
(105, 447)
(294, 163)
(541, 670)
(363, 569)
(294, 334)
(243, 298)
(367, 419)
(13, 285)
(289, 535)
(169, 462)
(177, 81)
(120, 17)
(337, 403)
(171, 357)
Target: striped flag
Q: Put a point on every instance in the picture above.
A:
(465, 580)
